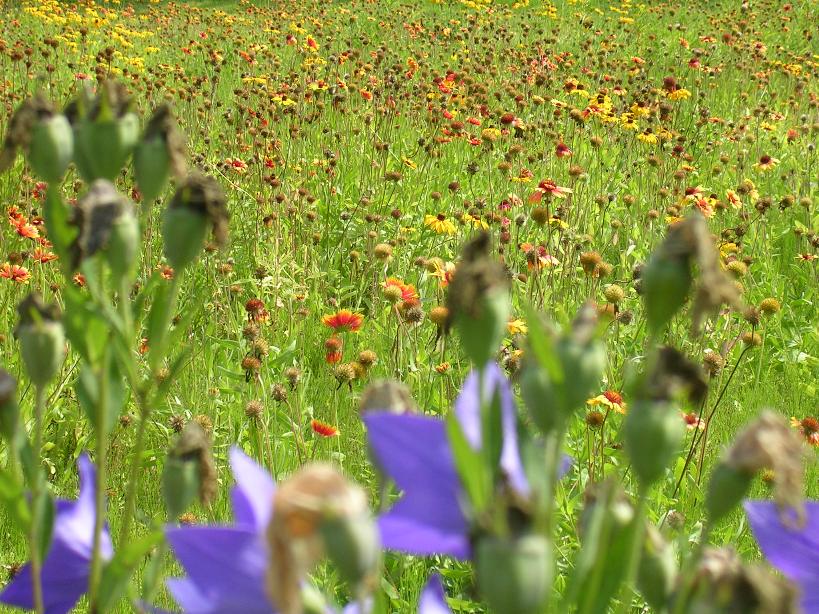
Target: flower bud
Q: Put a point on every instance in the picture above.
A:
(51, 148)
(652, 435)
(514, 575)
(106, 223)
(162, 149)
(352, 543)
(727, 488)
(657, 573)
(189, 471)
(42, 339)
(478, 301)
(665, 283)
(104, 136)
(199, 204)
(9, 410)
(553, 394)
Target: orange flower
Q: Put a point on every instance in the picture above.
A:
(408, 291)
(323, 429)
(547, 186)
(43, 256)
(808, 428)
(15, 273)
(343, 320)
(611, 400)
(25, 229)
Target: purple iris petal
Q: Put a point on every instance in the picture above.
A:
(414, 451)
(433, 598)
(468, 411)
(67, 566)
(792, 550)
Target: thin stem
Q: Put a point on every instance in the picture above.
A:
(36, 493)
(102, 476)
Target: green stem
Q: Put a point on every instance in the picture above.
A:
(102, 477)
(36, 494)
(635, 552)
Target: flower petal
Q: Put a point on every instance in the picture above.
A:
(433, 598)
(225, 564)
(414, 451)
(468, 411)
(253, 493)
(794, 552)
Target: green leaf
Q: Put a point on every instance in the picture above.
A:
(85, 326)
(118, 571)
(543, 347)
(43, 519)
(475, 475)
(60, 232)
(11, 494)
(158, 320)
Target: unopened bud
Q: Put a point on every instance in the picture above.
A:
(162, 149)
(189, 471)
(514, 575)
(42, 339)
(653, 433)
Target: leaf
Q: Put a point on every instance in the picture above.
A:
(11, 494)
(543, 347)
(474, 474)
(43, 521)
(60, 232)
(118, 571)
(158, 321)
(85, 326)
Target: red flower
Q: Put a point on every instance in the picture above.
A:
(408, 291)
(547, 186)
(323, 429)
(15, 273)
(562, 150)
(343, 320)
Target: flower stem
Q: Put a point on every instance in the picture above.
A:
(36, 493)
(102, 477)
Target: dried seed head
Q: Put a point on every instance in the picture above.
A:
(673, 374)
(769, 443)
(163, 125)
(203, 194)
(301, 505)
(388, 396)
(95, 217)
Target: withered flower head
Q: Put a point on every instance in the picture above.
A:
(203, 194)
(769, 443)
(690, 241)
(193, 444)
(94, 217)
(476, 275)
(21, 125)
(32, 310)
(302, 504)
(163, 126)
(387, 395)
(723, 583)
(674, 374)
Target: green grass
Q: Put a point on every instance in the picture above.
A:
(292, 239)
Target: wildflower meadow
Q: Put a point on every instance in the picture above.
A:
(398, 306)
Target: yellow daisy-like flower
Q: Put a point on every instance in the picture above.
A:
(475, 222)
(679, 94)
(439, 224)
(517, 327)
(609, 399)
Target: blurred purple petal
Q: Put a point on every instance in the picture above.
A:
(433, 598)
(792, 550)
(566, 463)
(225, 565)
(253, 493)
(67, 565)
(414, 451)
(468, 411)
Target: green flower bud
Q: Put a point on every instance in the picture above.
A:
(106, 224)
(51, 148)
(514, 575)
(653, 432)
(106, 136)
(189, 471)
(162, 149)
(352, 544)
(666, 283)
(478, 301)
(657, 573)
(42, 339)
(9, 410)
(579, 361)
(726, 490)
(199, 204)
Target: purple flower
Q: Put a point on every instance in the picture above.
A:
(414, 451)
(793, 550)
(433, 599)
(226, 565)
(67, 566)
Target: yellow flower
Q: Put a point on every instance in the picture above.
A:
(517, 327)
(439, 224)
(475, 222)
(680, 94)
(611, 400)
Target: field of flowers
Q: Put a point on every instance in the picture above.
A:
(468, 306)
